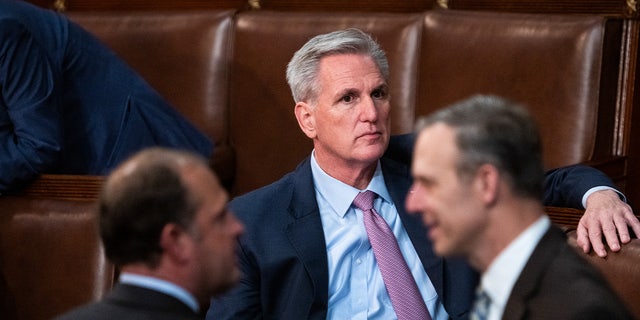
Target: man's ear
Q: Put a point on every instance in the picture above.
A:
(306, 119)
(488, 183)
(175, 243)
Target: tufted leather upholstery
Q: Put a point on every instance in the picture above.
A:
(50, 257)
(556, 65)
(225, 71)
(183, 55)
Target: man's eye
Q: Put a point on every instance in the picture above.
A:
(347, 99)
(379, 94)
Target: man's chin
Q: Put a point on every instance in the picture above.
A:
(442, 248)
(372, 152)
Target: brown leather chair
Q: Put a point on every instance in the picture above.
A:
(225, 71)
(51, 258)
(185, 56)
(621, 269)
(563, 68)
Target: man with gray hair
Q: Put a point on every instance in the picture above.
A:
(478, 178)
(315, 241)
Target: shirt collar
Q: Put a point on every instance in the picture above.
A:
(163, 286)
(504, 271)
(340, 195)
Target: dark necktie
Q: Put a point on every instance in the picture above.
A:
(401, 286)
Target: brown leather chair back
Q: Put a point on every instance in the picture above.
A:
(51, 257)
(184, 56)
(555, 65)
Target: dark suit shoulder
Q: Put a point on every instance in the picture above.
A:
(277, 195)
(264, 202)
(556, 283)
(401, 148)
(132, 302)
(276, 190)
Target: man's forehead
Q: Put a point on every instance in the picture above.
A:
(436, 142)
(437, 134)
(346, 61)
(349, 70)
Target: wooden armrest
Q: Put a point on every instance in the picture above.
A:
(59, 186)
(565, 218)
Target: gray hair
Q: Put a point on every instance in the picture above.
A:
(492, 130)
(302, 70)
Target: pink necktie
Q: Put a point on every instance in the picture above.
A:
(403, 291)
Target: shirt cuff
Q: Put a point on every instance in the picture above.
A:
(600, 188)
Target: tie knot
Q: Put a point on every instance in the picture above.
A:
(364, 200)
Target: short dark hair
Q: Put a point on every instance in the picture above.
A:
(496, 131)
(139, 198)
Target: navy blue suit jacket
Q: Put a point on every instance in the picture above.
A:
(283, 252)
(69, 105)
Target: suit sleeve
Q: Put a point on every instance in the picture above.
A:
(30, 130)
(565, 186)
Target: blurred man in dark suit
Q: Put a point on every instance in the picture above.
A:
(478, 180)
(164, 222)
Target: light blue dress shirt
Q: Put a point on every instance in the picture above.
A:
(356, 289)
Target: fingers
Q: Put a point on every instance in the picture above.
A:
(635, 224)
(607, 221)
(611, 236)
(595, 237)
(590, 230)
(583, 238)
(623, 231)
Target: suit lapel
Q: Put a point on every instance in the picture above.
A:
(396, 177)
(307, 237)
(306, 234)
(452, 278)
(528, 282)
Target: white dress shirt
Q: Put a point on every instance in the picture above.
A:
(505, 270)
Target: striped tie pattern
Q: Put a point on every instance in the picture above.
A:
(401, 286)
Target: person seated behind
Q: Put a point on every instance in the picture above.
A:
(164, 222)
(69, 105)
(306, 254)
(478, 179)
